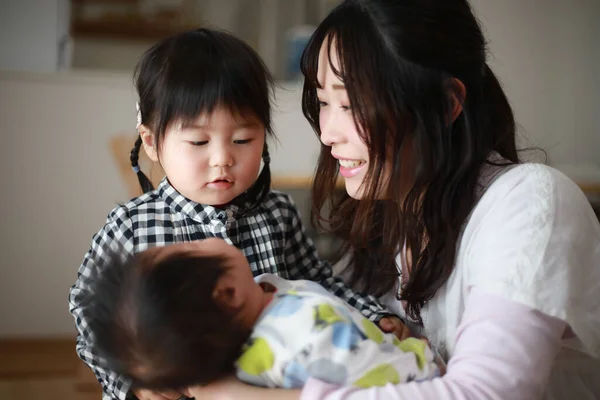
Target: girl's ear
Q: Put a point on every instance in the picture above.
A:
(227, 295)
(458, 93)
(148, 142)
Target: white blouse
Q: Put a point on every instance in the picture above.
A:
(532, 239)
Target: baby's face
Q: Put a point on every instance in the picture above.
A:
(248, 300)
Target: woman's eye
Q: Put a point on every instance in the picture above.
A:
(321, 104)
(346, 108)
(200, 143)
(242, 141)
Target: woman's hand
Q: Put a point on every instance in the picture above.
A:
(225, 389)
(146, 394)
(394, 325)
(232, 388)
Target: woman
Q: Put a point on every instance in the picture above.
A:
(497, 261)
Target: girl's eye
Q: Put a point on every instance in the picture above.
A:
(200, 143)
(321, 104)
(346, 108)
(242, 141)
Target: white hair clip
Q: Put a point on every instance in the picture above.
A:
(139, 116)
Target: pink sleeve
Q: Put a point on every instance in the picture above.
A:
(504, 350)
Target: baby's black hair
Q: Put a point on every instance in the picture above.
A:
(157, 322)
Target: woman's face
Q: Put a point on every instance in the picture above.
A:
(339, 130)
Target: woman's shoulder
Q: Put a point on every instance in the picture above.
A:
(532, 215)
(533, 238)
(530, 188)
(534, 176)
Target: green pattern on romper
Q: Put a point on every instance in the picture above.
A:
(413, 345)
(324, 314)
(372, 331)
(257, 357)
(379, 376)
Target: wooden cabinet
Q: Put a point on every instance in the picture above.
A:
(129, 19)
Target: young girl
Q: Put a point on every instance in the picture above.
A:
(204, 114)
(498, 261)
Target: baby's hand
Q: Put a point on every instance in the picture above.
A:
(394, 325)
(146, 394)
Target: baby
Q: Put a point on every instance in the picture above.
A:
(190, 313)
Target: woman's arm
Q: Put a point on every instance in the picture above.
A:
(234, 389)
(504, 350)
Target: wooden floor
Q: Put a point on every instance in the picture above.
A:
(44, 369)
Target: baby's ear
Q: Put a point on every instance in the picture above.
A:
(227, 295)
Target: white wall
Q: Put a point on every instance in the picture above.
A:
(547, 53)
(34, 35)
(58, 180)
(108, 54)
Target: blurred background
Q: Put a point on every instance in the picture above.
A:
(67, 121)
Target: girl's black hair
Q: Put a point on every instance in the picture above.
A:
(193, 73)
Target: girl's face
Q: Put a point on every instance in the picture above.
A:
(213, 160)
(337, 125)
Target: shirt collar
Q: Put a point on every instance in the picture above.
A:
(202, 213)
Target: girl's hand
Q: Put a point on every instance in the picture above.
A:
(394, 325)
(146, 394)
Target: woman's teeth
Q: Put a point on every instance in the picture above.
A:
(351, 163)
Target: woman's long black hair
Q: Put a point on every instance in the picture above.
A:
(403, 63)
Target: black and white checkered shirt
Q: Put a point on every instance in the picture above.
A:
(272, 238)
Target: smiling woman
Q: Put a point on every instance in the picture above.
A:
(495, 260)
